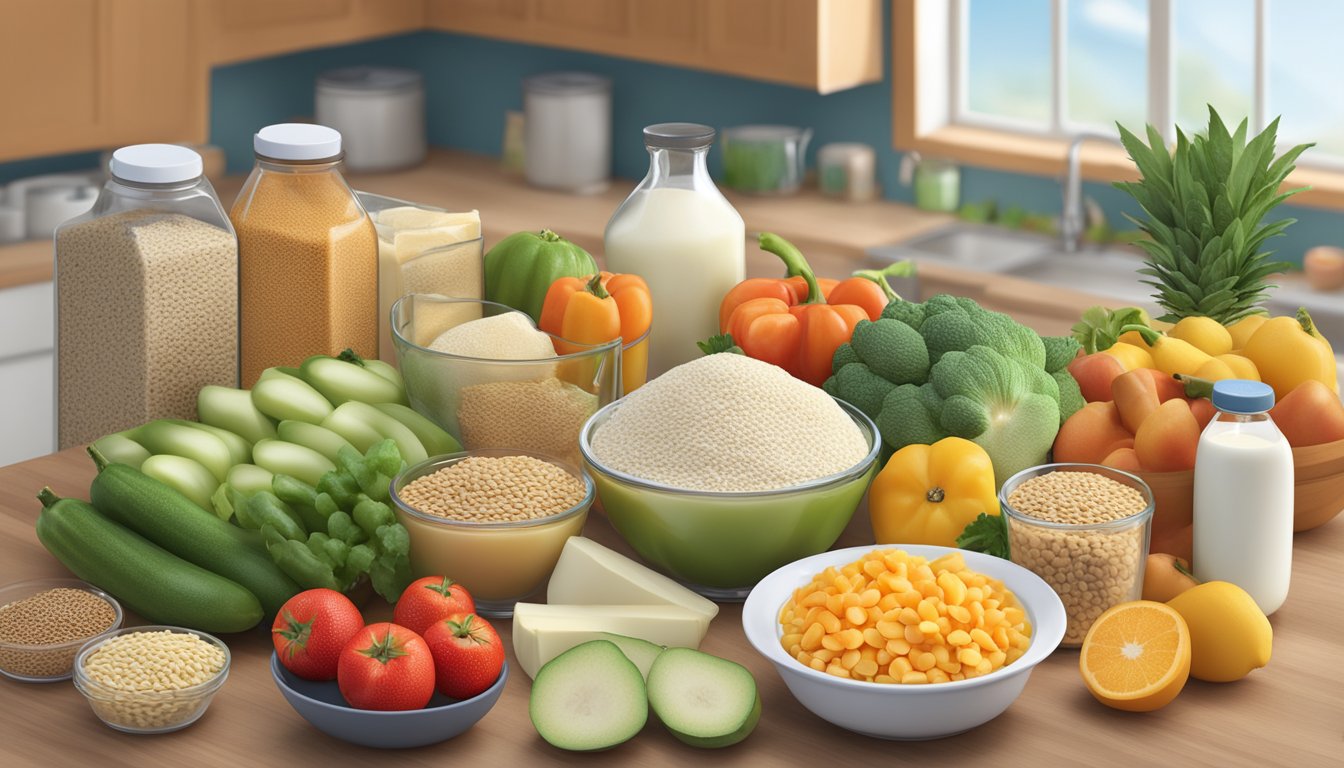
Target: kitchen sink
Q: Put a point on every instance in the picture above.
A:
(1110, 273)
(969, 246)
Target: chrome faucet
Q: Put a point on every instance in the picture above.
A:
(1073, 219)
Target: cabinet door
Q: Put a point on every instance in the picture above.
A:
(90, 74)
(238, 30)
(27, 418)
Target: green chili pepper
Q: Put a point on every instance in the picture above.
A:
(325, 505)
(239, 502)
(340, 486)
(336, 552)
(300, 564)
(317, 544)
(266, 509)
(370, 514)
(341, 526)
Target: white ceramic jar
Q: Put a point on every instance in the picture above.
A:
(380, 113)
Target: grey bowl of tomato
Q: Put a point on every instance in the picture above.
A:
(321, 704)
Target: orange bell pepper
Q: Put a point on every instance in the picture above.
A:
(801, 337)
(595, 309)
(866, 288)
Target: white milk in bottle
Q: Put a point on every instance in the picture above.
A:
(678, 232)
(1244, 495)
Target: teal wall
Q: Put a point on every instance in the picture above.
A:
(471, 82)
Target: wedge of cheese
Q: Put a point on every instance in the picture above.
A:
(542, 632)
(590, 574)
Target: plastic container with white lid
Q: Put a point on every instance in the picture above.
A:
(567, 131)
(380, 112)
(298, 142)
(146, 295)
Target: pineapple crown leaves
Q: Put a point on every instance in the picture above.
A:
(1205, 203)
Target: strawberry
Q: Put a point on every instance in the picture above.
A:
(468, 655)
(386, 667)
(429, 600)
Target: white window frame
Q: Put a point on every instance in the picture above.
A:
(1160, 78)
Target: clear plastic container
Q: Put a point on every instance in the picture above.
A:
(1092, 566)
(765, 159)
(678, 232)
(308, 253)
(1243, 507)
(146, 297)
(47, 662)
(422, 249)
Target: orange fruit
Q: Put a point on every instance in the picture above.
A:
(1136, 656)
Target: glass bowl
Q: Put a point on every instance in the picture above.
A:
(501, 563)
(149, 711)
(528, 405)
(1092, 566)
(720, 544)
(47, 662)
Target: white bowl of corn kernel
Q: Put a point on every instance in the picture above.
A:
(860, 670)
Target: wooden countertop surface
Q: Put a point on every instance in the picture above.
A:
(1290, 713)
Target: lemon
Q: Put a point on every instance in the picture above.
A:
(1229, 634)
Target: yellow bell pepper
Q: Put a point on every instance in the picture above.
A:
(927, 494)
(1204, 333)
(1170, 354)
(1287, 353)
(1242, 330)
(1242, 367)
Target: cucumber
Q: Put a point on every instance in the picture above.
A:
(280, 370)
(705, 701)
(232, 409)
(436, 441)
(172, 521)
(146, 578)
(411, 449)
(386, 370)
(183, 475)
(641, 652)
(122, 449)
(341, 382)
(249, 478)
(356, 431)
(588, 698)
(166, 437)
(313, 436)
(281, 458)
(240, 449)
(285, 397)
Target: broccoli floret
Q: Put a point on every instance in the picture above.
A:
(941, 303)
(905, 418)
(860, 387)
(844, 355)
(908, 312)
(957, 324)
(998, 403)
(1070, 396)
(952, 331)
(1059, 351)
(892, 349)
(1015, 340)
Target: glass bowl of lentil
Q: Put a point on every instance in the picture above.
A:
(1084, 529)
(44, 623)
(530, 405)
(496, 520)
(151, 679)
(721, 543)
(904, 711)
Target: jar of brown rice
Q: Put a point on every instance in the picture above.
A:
(1084, 529)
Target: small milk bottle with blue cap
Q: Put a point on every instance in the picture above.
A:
(1244, 495)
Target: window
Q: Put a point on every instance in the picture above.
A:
(1010, 82)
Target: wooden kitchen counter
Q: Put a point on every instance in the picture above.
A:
(1290, 713)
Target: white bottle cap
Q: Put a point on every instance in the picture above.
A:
(155, 164)
(297, 141)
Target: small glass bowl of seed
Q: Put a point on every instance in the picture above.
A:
(152, 679)
(495, 519)
(44, 622)
(1084, 529)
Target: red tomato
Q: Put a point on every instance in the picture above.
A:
(431, 599)
(468, 655)
(386, 667)
(310, 630)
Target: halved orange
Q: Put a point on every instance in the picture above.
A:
(1136, 656)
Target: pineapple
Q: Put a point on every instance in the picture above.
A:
(1205, 204)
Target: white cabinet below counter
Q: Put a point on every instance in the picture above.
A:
(27, 383)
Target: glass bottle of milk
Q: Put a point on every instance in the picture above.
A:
(678, 232)
(1244, 495)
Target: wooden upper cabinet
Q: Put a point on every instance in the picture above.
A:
(825, 45)
(238, 30)
(92, 74)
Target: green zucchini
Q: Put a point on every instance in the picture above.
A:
(146, 578)
(174, 522)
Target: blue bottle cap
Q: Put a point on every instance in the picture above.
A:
(1242, 396)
